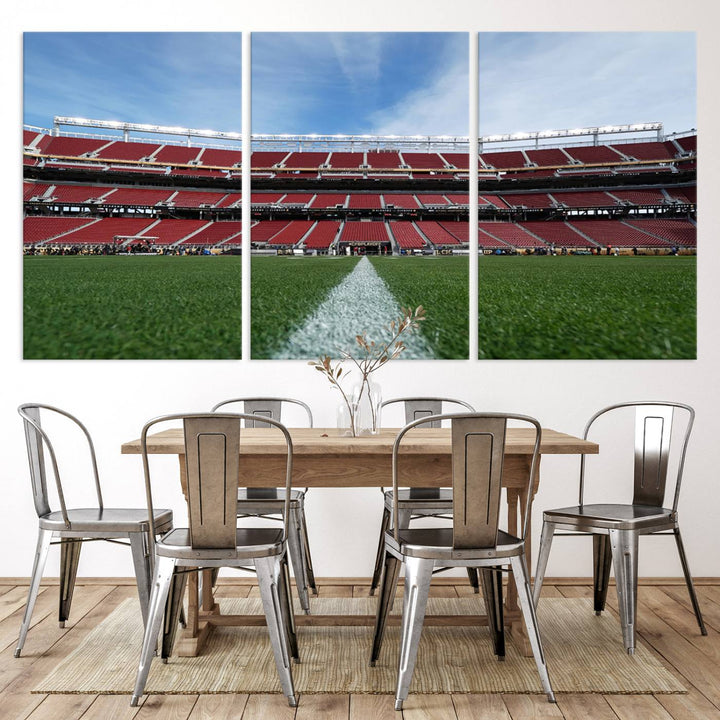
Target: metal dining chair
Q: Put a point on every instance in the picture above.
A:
(616, 528)
(71, 527)
(474, 540)
(268, 502)
(416, 503)
(213, 540)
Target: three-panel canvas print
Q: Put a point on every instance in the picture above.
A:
(362, 201)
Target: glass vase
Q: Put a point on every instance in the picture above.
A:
(368, 399)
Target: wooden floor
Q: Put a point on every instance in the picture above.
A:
(665, 623)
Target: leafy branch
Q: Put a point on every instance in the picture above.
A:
(372, 356)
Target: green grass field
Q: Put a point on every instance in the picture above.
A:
(440, 285)
(131, 307)
(529, 307)
(587, 307)
(285, 291)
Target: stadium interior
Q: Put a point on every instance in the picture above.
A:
(589, 191)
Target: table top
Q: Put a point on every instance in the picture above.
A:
(328, 441)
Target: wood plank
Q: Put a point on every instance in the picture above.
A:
(632, 707)
(480, 707)
(232, 591)
(377, 707)
(61, 707)
(327, 442)
(709, 608)
(443, 591)
(167, 707)
(687, 660)
(334, 591)
(529, 707)
(429, 707)
(46, 604)
(331, 707)
(218, 707)
(692, 705)
(113, 707)
(13, 600)
(682, 620)
(49, 645)
(585, 707)
(268, 707)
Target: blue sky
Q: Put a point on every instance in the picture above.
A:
(377, 83)
(542, 81)
(187, 79)
(352, 83)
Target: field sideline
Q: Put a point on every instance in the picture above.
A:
(529, 307)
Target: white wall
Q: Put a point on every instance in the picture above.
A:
(115, 398)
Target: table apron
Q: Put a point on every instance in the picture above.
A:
(367, 471)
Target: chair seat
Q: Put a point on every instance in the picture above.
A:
(616, 517)
(121, 520)
(250, 543)
(418, 499)
(437, 543)
(267, 501)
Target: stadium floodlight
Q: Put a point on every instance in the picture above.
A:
(127, 127)
(574, 132)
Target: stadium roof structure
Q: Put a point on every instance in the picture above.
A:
(363, 142)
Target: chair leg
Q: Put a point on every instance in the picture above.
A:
(688, 580)
(164, 571)
(380, 557)
(41, 552)
(602, 561)
(418, 574)
(493, 597)
(474, 580)
(268, 574)
(522, 582)
(69, 559)
(173, 606)
(296, 557)
(546, 538)
(143, 570)
(307, 558)
(385, 602)
(286, 609)
(624, 545)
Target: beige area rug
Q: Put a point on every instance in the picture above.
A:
(584, 654)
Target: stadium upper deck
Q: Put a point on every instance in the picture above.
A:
(364, 157)
(410, 193)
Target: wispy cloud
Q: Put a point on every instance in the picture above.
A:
(439, 106)
(188, 79)
(537, 81)
(399, 83)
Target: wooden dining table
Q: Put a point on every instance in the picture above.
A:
(322, 457)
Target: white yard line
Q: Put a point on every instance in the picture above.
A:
(360, 302)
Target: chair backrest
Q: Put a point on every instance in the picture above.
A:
(38, 441)
(478, 448)
(264, 407)
(421, 407)
(653, 438)
(417, 408)
(212, 456)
